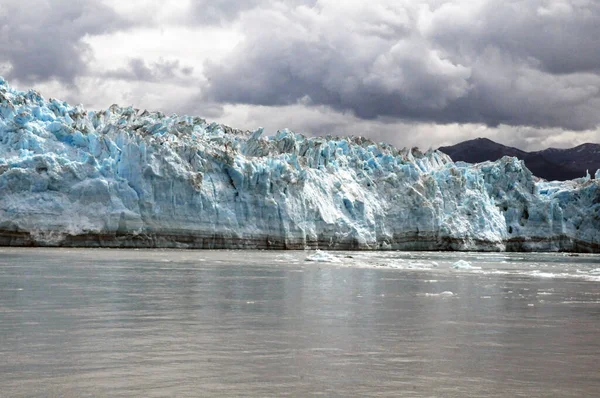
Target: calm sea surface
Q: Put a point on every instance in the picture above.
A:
(168, 323)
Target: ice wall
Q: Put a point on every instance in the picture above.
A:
(126, 178)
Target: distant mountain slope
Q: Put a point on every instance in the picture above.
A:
(550, 164)
(582, 157)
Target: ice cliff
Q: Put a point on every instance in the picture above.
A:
(125, 178)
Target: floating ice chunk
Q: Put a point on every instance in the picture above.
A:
(285, 258)
(418, 265)
(595, 271)
(540, 274)
(462, 264)
(442, 294)
(322, 257)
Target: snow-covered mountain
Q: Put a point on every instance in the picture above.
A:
(125, 178)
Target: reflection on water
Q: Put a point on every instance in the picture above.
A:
(224, 323)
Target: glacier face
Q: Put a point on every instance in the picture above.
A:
(125, 178)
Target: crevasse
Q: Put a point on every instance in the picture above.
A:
(126, 178)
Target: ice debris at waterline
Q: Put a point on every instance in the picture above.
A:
(126, 178)
(322, 257)
(462, 264)
(442, 294)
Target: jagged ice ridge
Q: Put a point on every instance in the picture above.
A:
(125, 178)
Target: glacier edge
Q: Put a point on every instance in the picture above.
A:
(128, 178)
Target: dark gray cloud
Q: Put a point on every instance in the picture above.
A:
(557, 36)
(42, 40)
(532, 63)
(218, 11)
(226, 11)
(161, 70)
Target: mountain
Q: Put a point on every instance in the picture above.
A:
(122, 177)
(581, 158)
(550, 164)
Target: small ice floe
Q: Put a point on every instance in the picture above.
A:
(322, 257)
(595, 271)
(539, 274)
(435, 264)
(462, 264)
(417, 265)
(285, 258)
(442, 294)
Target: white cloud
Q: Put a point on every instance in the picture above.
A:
(190, 46)
(409, 72)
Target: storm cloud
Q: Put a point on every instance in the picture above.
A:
(226, 11)
(41, 39)
(532, 63)
(422, 72)
(162, 70)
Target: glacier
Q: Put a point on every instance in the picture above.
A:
(122, 177)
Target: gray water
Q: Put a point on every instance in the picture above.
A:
(145, 323)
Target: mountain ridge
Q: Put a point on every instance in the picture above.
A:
(550, 164)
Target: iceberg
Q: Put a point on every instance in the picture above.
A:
(122, 177)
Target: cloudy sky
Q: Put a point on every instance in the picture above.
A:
(410, 72)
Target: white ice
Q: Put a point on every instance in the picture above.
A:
(126, 177)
